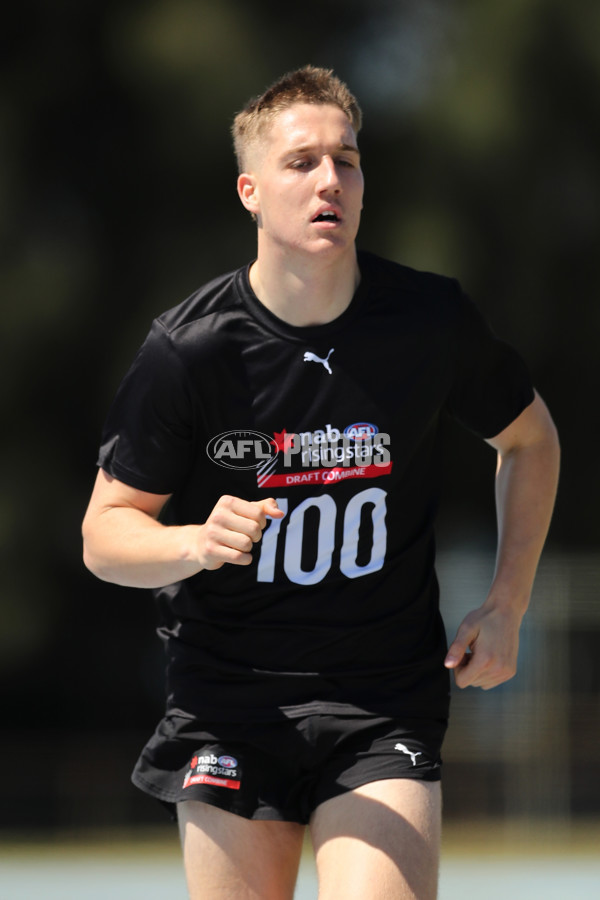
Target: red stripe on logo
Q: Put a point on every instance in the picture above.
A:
(325, 476)
(210, 779)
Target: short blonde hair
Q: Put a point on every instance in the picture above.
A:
(306, 85)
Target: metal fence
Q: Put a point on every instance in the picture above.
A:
(530, 748)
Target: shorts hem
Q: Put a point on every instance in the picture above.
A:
(338, 790)
(169, 801)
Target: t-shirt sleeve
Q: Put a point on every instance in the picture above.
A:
(491, 384)
(148, 435)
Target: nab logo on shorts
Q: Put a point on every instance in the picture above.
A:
(241, 449)
(216, 771)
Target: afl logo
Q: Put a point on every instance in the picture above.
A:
(240, 449)
(228, 762)
(360, 431)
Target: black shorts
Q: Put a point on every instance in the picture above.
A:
(283, 770)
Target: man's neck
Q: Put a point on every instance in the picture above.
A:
(306, 292)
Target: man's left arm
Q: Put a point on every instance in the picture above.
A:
(484, 652)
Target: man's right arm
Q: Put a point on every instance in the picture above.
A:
(124, 543)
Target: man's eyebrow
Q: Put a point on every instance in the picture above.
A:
(304, 148)
(350, 148)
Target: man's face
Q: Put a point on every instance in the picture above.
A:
(305, 184)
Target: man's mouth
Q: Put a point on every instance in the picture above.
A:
(328, 216)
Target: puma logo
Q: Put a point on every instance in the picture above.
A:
(312, 357)
(404, 749)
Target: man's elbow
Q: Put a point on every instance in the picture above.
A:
(92, 564)
(92, 560)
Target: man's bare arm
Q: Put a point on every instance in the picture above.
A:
(484, 652)
(124, 543)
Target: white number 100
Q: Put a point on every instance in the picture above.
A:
(325, 538)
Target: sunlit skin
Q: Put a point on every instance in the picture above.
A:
(308, 163)
(307, 166)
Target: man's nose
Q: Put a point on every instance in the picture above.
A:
(328, 175)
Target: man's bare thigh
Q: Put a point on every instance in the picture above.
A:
(228, 857)
(380, 841)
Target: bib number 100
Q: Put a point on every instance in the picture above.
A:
(370, 502)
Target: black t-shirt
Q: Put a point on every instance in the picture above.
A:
(340, 423)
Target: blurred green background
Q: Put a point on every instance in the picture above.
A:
(481, 149)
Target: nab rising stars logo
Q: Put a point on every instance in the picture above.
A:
(326, 456)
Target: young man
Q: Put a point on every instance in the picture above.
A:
(283, 424)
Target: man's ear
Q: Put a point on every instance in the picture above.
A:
(247, 189)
